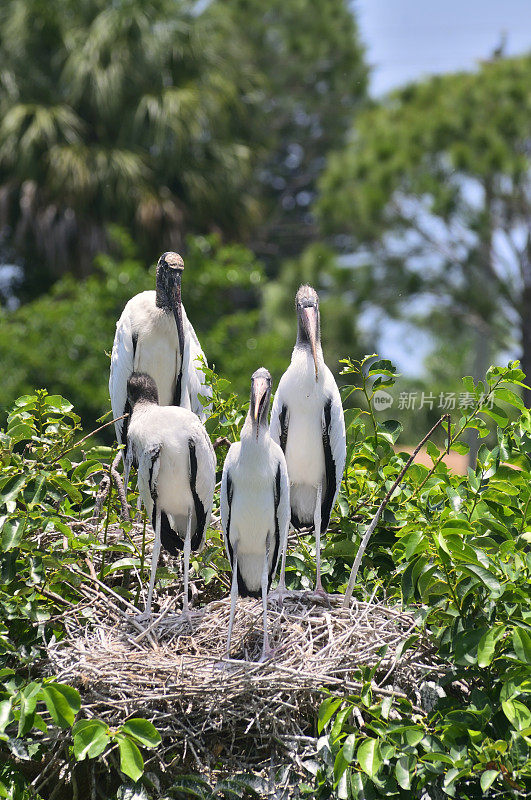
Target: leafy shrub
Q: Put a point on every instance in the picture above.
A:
(454, 550)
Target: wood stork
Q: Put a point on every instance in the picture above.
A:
(254, 505)
(307, 422)
(176, 474)
(154, 335)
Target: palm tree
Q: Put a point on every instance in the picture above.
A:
(134, 112)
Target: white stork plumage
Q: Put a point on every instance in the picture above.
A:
(176, 474)
(307, 422)
(154, 335)
(254, 504)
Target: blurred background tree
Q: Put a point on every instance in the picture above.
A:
(314, 79)
(434, 192)
(135, 112)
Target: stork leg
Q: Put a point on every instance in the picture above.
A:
(154, 564)
(122, 493)
(187, 549)
(267, 652)
(233, 593)
(280, 593)
(317, 528)
(128, 460)
(318, 593)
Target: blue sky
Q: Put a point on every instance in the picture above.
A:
(407, 39)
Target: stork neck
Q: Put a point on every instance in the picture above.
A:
(142, 406)
(162, 300)
(303, 352)
(248, 434)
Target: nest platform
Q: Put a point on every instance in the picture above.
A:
(208, 709)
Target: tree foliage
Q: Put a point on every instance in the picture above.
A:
(314, 80)
(434, 193)
(168, 118)
(134, 113)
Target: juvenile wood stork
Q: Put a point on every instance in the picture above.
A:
(154, 336)
(254, 505)
(176, 474)
(307, 422)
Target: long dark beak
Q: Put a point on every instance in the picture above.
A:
(309, 320)
(175, 296)
(260, 400)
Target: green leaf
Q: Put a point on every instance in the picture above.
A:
(6, 714)
(12, 531)
(405, 644)
(487, 645)
(486, 577)
(497, 414)
(86, 468)
(28, 701)
(131, 761)
(327, 709)
(337, 727)
(437, 755)
(391, 428)
(143, 731)
(369, 757)
(349, 747)
(68, 487)
(120, 564)
(63, 702)
(40, 489)
(517, 713)
(460, 447)
(11, 488)
(468, 384)
(192, 786)
(20, 432)
(340, 765)
(510, 397)
(383, 367)
(413, 542)
(487, 778)
(522, 645)
(58, 403)
(404, 768)
(341, 548)
(91, 737)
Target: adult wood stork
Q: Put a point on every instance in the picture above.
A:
(307, 422)
(254, 505)
(154, 336)
(176, 474)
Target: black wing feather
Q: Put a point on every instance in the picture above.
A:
(330, 469)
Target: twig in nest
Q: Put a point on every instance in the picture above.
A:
(120, 487)
(372, 526)
(103, 491)
(84, 439)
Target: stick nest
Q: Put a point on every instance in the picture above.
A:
(208, 709)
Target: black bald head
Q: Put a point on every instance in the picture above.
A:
(170, 261)
(169, 272)
(142, 388)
